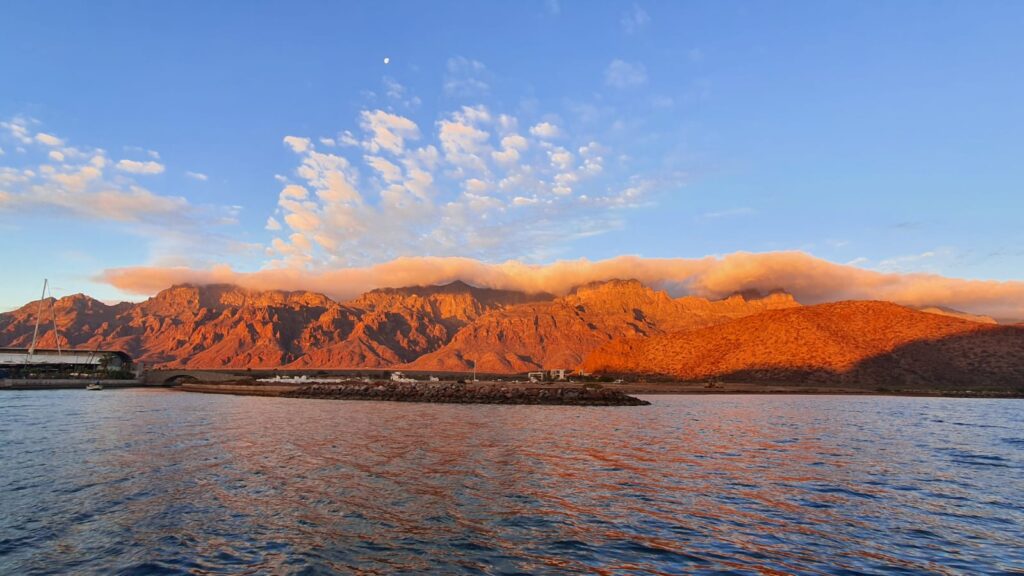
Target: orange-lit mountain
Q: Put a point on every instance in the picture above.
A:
(433, 328)
(223, 326)
(614, 326)
(559, 333)
(863, 343)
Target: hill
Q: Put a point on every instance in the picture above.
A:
(427, 327)
(561, 332)
(223, 326)
(851, 343)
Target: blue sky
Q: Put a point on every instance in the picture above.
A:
(884, 135)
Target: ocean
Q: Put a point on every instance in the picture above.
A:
(165, 482)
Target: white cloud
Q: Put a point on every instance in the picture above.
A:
(561, 158)
(621, 74)
(136, 167)
(634, 20)
(464, 143)
(197, 176)
(473, 185)
(811, 280)
(18, 128)
(511, 146)
(388, 170)
(909, 262)
(387, 131)
(346, 138)
(298, 145)
(49, 139)
(272, 224)
(545, 130)
(398, 93)
(76, 181)
(515, 142)
(466, 77)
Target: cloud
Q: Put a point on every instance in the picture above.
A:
(907, 262)
(18, 128)
(59, 179)
(298, 145)
(135, 167)
(398, 93)
(49, 139)
(621, 74)
(197, 176)
(386, 131)
(466, 77)
(545, 130)
(472, 186)
(810, 279)
(634, 20)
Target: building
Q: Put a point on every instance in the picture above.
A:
(547, 375)
(20, 362)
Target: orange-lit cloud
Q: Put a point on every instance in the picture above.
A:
(810, 279)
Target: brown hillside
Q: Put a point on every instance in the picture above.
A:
(221, 326)
(561, 332)
(855, 343)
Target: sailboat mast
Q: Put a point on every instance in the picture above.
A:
(39, 316)
(53, 313)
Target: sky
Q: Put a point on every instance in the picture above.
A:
(824, 148)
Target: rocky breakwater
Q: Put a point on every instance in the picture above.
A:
(455, 393)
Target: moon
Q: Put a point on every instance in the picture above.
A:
(386, 59)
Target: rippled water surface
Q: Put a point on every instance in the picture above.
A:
(157, 481)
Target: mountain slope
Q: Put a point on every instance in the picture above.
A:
(220, 326)
(561, 332)
(863, 343)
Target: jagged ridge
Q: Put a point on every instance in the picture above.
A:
(224, 326)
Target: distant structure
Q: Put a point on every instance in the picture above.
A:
(17, 362)
(547, 375)
(399, 377)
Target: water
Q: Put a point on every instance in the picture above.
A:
(157, 481)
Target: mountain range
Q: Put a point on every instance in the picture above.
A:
(854, 343)
(615, 327)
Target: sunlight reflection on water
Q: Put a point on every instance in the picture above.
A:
(151, 481)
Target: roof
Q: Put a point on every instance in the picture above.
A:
(123, 355)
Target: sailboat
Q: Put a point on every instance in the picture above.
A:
(56, 332)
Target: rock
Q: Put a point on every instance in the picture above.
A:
(452, 393)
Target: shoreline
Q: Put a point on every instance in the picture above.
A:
(233, 384)
(252, 388)
(702, 388)
(447, 392)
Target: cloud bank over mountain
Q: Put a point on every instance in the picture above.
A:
(810, 279)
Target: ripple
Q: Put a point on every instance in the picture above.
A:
(162, 482)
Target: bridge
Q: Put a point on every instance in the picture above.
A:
(173, 377)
